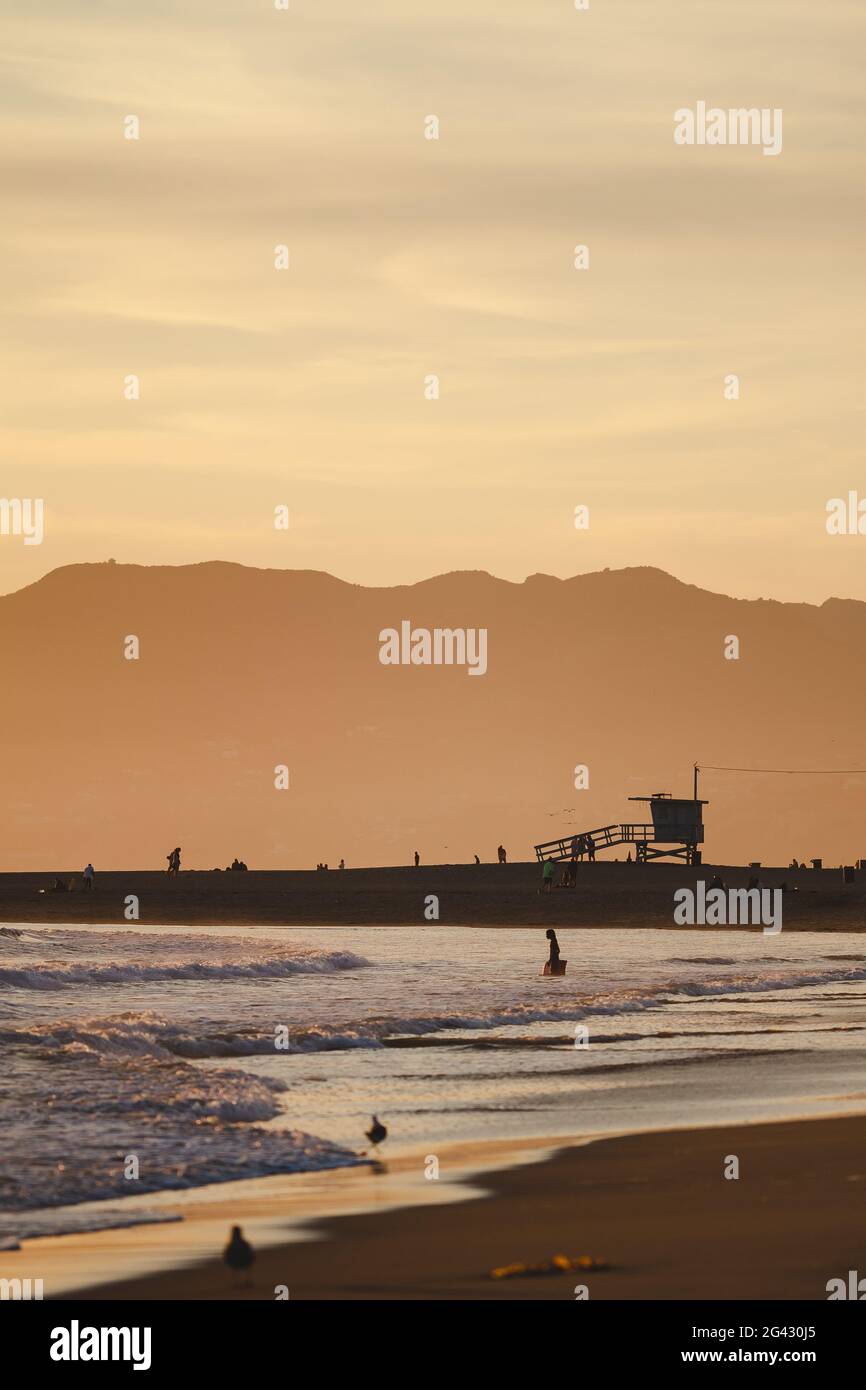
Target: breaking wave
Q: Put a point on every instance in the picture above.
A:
(52, 975)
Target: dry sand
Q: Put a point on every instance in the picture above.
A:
(656, 1207)
(607, 894)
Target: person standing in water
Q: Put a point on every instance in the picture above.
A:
(553, 958)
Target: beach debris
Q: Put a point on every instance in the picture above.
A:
(558, 1264)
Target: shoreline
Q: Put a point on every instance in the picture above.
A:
(655, 1206)
(275, 1210)
(606, 894)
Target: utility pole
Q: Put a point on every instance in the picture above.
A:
(697, 770)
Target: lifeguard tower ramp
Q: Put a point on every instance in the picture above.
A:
(675, 832)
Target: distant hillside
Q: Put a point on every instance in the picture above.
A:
(240, 670)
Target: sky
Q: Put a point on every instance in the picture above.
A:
(454, 257)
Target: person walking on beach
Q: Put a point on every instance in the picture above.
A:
(88, 877)
(503, 858)
(417, 859)
(547, 875)
(174, 862)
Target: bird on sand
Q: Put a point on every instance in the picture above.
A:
(377, 1133)
(238, 1254)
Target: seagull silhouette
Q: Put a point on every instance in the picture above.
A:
(377, 1133)
(238, 1254)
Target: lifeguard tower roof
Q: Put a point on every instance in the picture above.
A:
(667, 796)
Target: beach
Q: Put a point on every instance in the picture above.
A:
(655, 1209)
(167, 1083)
(433, 619)
(607, 894)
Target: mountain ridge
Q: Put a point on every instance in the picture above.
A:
(241, 670)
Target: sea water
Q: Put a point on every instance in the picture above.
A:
(212, 1054)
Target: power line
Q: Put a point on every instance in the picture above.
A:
(792, 771)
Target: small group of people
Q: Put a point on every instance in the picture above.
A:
(567, 874)
(582, 845)
(61, 886)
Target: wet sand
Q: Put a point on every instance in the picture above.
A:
(656, 1207)
(607, 894)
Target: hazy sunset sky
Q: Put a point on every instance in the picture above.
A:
(412, 256)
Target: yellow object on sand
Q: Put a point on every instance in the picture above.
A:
(559, 1264)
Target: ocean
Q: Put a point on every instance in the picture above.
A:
(141, 1061)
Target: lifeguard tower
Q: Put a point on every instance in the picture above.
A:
(677, 829)
(675, 832)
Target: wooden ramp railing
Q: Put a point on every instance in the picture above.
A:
(605, 837)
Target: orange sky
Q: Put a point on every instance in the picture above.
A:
(410, 256)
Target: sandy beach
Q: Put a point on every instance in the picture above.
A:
(607, 894)
(655, 1208)
(238, 1069)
